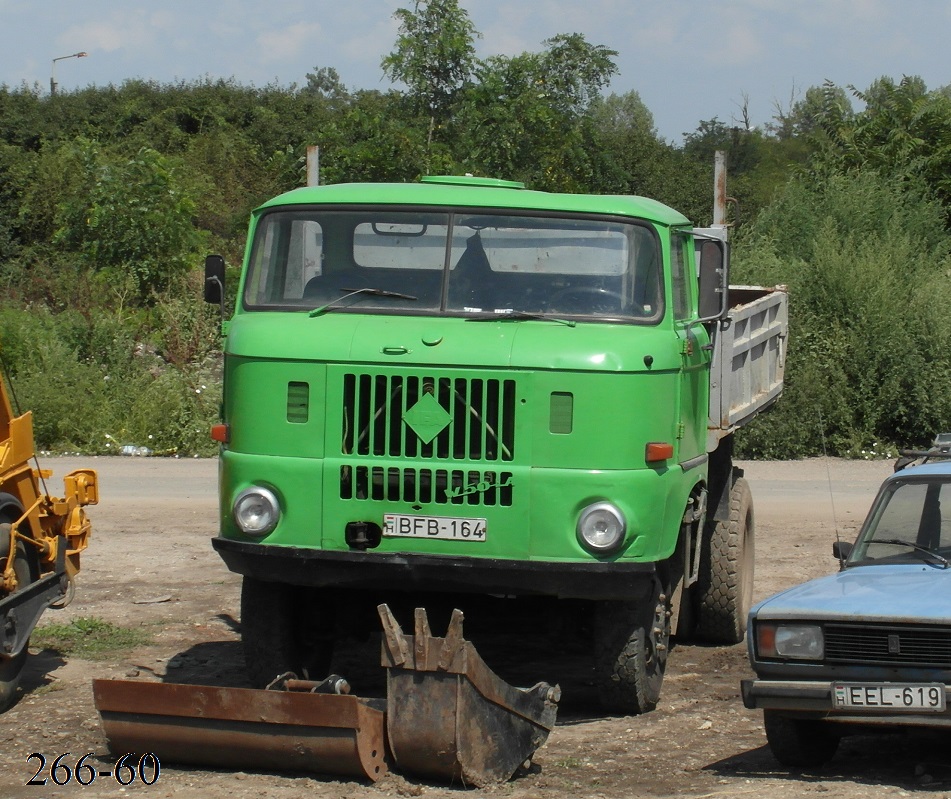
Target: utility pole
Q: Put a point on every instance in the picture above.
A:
(53, 84)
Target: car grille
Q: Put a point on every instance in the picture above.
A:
(888, 645)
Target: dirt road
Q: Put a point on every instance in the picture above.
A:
(151, 564)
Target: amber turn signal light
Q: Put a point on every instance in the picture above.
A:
(221, 433)
(658, 451)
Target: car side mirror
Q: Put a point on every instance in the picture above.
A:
(841, 549)
(215, 281)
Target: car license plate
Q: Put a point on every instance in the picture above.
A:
(889, 696)
(397, 525)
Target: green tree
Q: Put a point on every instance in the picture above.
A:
(135, 224)
(904, 131)
(527, 117)
(434, 57)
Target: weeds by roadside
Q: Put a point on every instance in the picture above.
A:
(88, 637)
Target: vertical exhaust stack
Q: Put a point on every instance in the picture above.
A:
(719, 189)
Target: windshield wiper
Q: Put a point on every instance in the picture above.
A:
(488, 316)
(353, 292)
(917, 547)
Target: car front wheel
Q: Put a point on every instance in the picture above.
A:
(799, 742)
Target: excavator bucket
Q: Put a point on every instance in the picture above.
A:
(446, 716)
(291, 728)
(449, 717)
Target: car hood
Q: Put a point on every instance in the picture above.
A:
(885, 593)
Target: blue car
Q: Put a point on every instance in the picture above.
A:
(869, 646)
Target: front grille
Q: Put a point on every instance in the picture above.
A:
(423, 417)
(888, 645)
(418, 486)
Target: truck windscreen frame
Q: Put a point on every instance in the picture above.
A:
(457, 262)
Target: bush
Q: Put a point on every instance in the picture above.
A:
(95, 384)
(869, 358)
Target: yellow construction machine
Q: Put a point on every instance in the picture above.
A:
(41, 537)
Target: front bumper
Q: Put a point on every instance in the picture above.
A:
(814, 699)
(437, 573)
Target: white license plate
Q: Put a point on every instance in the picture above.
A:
(397, 525)
(889, 696)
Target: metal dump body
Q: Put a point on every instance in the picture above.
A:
(749, 358)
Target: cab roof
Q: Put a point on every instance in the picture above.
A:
(472, 192)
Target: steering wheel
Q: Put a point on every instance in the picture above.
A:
(603, 295)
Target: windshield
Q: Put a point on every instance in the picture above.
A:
(910, 523)
(423, 261)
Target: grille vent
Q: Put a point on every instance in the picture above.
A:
(419, 486)
(298, 403)
(474, 420)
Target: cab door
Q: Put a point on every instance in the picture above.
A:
(694, 348)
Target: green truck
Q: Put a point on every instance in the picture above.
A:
(462, 393)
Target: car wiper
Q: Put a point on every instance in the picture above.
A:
(489, 316)
(353, 292)
(917, 547)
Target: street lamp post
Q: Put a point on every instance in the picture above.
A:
(53, 70)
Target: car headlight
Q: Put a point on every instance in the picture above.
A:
(601, 527)
(256, 511)
(794, 641)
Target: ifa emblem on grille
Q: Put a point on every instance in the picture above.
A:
(427, 418)
(894, 645)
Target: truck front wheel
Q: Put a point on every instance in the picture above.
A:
(630, 647)
(725, 584)
(284, 628)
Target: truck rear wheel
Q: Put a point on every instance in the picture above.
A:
(725, 585)
(805, 743)
(284, 628)
(11, 668)
(630, 649)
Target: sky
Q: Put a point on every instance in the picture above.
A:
(688, 60)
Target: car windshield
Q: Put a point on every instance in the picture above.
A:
(454, 262)
(910, 522)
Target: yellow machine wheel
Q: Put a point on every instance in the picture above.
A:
(12, 667)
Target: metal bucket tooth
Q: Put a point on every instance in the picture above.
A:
(452, 718)
(242, 728)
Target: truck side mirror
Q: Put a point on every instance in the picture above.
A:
(215, 281)
(714, 280)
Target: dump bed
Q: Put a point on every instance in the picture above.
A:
(749, 358)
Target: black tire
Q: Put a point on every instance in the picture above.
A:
(724, 589)
(284, 629)
(12, 668)
(631, 642)
(802, 743)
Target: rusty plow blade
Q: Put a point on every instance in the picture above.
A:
(449, 717)
(241, 728)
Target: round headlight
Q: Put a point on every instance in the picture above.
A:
(601, 527)
(256, 511)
